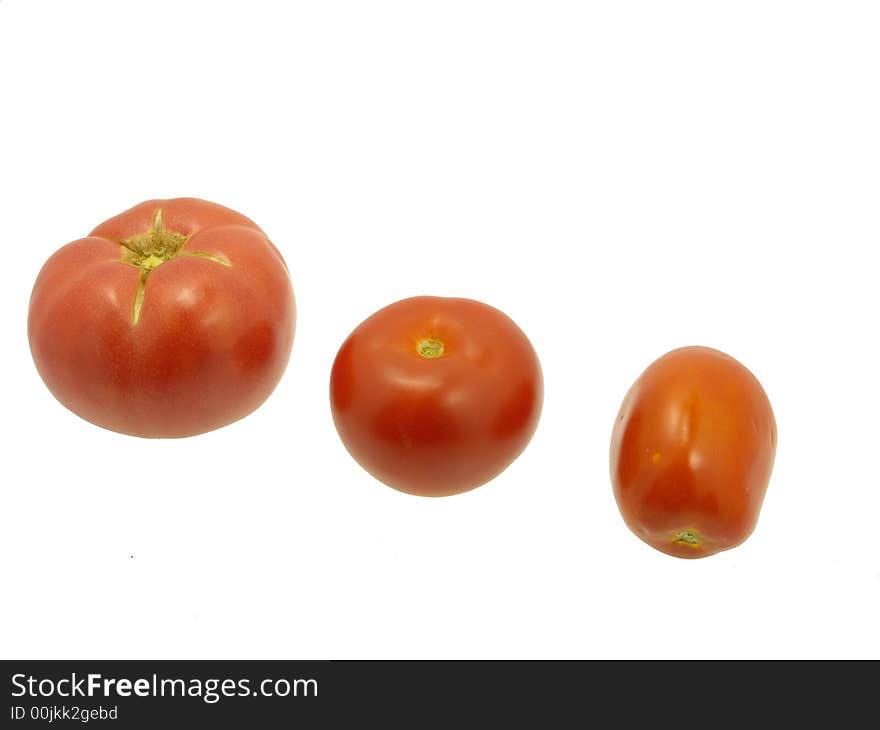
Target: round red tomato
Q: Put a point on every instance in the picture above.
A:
(173, 318)
(436, 396)
(691, 453)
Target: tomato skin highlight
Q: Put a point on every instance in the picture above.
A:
(206, 344)
(435, 396)
(692, 451)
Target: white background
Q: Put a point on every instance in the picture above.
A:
(621, 178)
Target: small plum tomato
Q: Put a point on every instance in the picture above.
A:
(691, 453)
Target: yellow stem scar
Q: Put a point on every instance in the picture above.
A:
(148, 251)
(430, 349)
(687, 537)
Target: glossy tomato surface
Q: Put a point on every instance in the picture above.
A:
(692, 451)
(173, 318)
(435, 396)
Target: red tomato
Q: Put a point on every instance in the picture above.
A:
(691, 453)
(173, 318)
(436, 396)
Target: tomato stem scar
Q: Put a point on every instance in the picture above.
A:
(147, 251)
(153, 248)
(430, 348)
(687, 537)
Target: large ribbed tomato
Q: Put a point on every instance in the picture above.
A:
(435, 396)
(692, 451)
(173, 318)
